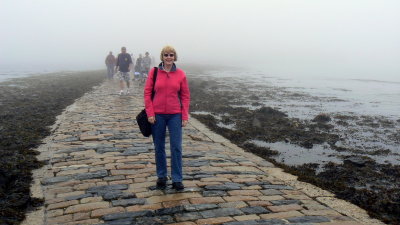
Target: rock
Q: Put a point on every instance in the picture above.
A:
(196, 163)
(277, 187)
(181, 217)
(322, 118)
(113, 195)
(214, 193)
(54, 180)
(77, 197)
(309, 219)
(224, 187)
(221, 212)
(92, 175)
(359, 161)
(254, 210)
(128, 202)
(108, 149)
(285, 202)
(127, 215)
(169, 211)
(199, 207)
(102, 190)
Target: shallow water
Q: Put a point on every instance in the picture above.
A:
(366, 113)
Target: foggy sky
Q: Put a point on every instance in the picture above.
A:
(359, 38)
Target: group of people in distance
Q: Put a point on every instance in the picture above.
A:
(124, 64)
(167, 108)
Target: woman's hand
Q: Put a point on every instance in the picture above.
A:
(184, 123)
(151, 119)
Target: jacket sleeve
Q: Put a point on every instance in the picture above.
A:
(185, 98)
(148, 88)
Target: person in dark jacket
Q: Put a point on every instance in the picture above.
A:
(124, 65)
(169, 108)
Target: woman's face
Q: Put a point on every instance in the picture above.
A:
(168, 58)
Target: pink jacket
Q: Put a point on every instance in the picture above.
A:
(172, 94)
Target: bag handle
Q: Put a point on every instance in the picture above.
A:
(154, 81)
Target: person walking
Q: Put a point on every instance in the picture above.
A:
(168, 108)
(146, 63)
(124, 65)
(110, 63)
(138, 68)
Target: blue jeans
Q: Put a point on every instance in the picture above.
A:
(174, 124)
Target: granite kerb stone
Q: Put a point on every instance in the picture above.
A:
(74, 149)
(129, 202)
(271, 192)
(117, 194)
(102, 190)
(78, 197)
(170, 211)
(190, 216)
(254, 210)
(199, 207)
(127, 215)
(277, 187)
(152, 220)
(223, 187)
(92, 175)
(214, 193)
(258, 222)
(308, 219)
(286, 202)
(257, 183)
(109, 149)
(194, 155)
(54, 180)
(221, 212)
(131, 152)
(196, 163)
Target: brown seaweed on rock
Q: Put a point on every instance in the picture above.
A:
(28, 107)
(365, 183)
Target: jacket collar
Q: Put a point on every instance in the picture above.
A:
(161, 67)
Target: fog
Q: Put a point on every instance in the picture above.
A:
(357, 38)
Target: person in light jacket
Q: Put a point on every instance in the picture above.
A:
(169, 108)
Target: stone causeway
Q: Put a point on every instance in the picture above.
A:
(101, 170)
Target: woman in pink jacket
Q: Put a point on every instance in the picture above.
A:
(169, 108)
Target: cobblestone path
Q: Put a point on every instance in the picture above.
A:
(101, 170)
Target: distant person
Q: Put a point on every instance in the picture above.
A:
(146, 64)
(110, 63)
(124, 65)
(169, 108)
(133, 64)
(138, 67)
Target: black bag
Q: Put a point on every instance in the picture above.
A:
(141, 118)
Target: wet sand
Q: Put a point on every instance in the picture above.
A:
(325, 150)
(28, 107)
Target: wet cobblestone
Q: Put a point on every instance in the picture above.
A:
(112, 174)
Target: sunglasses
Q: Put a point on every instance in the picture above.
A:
(170, 55)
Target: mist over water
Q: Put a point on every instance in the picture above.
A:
(356, 39)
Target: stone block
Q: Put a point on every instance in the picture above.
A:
(87, 207)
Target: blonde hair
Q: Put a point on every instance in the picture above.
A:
(168, 48)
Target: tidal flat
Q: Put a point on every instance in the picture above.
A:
(351, 153)
(28, 108)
